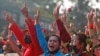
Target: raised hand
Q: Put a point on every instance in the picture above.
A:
(54, 28)
(90, 15)
(95, 17)
(36, 16)
(56, 12)
(8, 17)
(9, 35)
(96, 23)
(63, 17)
(86, 30)
(24, 10)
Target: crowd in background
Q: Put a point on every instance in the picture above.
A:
(63, 40)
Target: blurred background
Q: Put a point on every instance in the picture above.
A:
(77, 11)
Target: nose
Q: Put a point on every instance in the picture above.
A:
(52, 42)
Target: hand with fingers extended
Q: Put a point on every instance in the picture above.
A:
(86, 30)
(95, 17)
(90, 15)
(63, 17)
(96, 23)
(54, 28)
(36, 16)
(56, 12)
(8, 17)
(90, 19)
(24, 10)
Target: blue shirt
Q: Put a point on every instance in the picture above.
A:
(59, 53)
(41, 38)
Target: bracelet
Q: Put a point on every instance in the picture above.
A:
(91, 26)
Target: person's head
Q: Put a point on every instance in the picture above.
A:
(27, 39)
(54, 43)
(80, 41)
(96, 50)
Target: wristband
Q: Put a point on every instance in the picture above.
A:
(91, 26)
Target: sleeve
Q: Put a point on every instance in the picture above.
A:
(32, 32)
(41, 38)
(65, 37)
(18, 33)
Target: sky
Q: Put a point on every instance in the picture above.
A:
(68, 4)
(92, 3)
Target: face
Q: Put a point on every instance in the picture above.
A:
(76, 42)
(27, 39)
(53, 43)
(97, 51)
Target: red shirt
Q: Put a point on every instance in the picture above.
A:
(65, 37)
(34, 48)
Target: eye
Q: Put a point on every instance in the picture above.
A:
(55, 40)
(50, 41)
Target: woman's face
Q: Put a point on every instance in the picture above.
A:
(53, 43)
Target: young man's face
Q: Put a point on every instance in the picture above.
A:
(53, 44)
(77, 43)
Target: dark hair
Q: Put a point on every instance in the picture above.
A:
(96, 46)
(27, 39)
(47, 38)
(82, 38)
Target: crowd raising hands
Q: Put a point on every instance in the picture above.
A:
(60, 42)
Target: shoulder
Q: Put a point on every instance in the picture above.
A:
(42, 55)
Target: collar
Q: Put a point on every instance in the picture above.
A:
(59, 53)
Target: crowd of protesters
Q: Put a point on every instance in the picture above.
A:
(62, 41)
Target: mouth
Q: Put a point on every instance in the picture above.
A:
(51, 47)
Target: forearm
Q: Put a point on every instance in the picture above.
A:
(91, 29)
(18, 33)
(97, 27)
(63, 32)
(33, 35)
(14, 47)
(41, 38)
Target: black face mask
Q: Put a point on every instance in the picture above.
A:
(27, 39)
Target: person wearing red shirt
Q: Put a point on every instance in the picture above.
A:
(32, 47)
